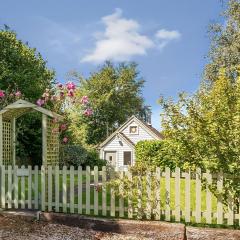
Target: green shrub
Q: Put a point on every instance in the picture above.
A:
(76, 155)
(154, 153)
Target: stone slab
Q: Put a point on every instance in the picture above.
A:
(196, 233)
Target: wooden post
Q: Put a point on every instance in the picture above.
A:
(13, 139)
(44, 139)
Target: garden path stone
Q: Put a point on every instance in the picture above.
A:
(196, 233)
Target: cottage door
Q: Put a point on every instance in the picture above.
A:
(111, 158)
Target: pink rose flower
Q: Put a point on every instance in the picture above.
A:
(70, 93)
(65, 140)
(88, 112)
(2, 94)
(18, 94)
(84, 100)
(40, 102)
(70, 86)
(63, 127)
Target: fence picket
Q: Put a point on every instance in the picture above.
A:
(208, 199)
(158, 196)
(20, 188)
(139, 197)
(95, 190)
(130, 207)
(112, 193)
(56, 188)
(230, 219)
(64, 189)
(149, 196)
(80, 189)
(88, 176)
(198, 196)
(72, 189)
(168, 189)
(177, 194)
(104, 196)
(9, 188)
(43, 192)
(187, 196)
(36, 187)
(23, 195)
(121, 193)
(219, 198)
(29, 187)
(15, 180)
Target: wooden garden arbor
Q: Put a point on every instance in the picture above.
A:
(50, 132)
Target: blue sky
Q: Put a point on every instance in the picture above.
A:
(167, 38)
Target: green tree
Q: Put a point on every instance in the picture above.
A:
(115, 95)
(22, 67)
(204, 128)
(225, 45)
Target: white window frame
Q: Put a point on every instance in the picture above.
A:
(137, 132)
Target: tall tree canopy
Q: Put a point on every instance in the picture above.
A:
(22, 67)
(115, 94)
(225, 45)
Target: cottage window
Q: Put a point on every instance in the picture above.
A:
(127, 158)
(133, 130)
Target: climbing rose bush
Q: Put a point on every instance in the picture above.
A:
(60, 99)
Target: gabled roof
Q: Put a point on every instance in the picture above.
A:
(21, 107)
(151, 130)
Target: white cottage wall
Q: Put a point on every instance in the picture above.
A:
(141, 135)
(120, 146)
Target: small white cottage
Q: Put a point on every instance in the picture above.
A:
(119, 148)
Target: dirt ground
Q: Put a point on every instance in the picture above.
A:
(19, 229)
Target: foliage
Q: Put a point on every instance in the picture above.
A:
(205, 127)
(225, 44)
(22, 68)
(77, 155)
(154, 153)
(115, 93)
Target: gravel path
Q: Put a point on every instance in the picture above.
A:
(18, 229)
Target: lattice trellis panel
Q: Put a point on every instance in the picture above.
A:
(7, 143)
(52, 142)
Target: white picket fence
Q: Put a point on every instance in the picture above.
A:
(178, 196)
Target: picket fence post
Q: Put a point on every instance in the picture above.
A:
(80, 190)
(167, 193)
(104, 196)
(219, 198)
(177, 194)
(187, 196)
(71, 189)
(208, 199)
(158, 196)
(95, 190)
(88, 179)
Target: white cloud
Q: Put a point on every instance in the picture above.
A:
(164, 34)
(120, 41)
(164, 37)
